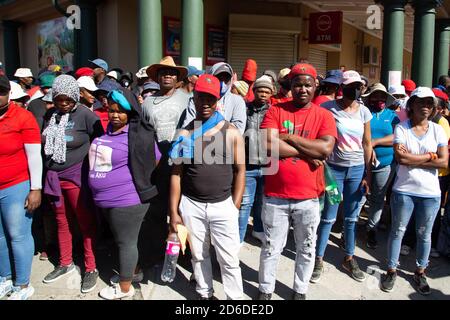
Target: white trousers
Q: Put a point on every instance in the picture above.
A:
(215, 223)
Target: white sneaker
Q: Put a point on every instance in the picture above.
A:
(259, 235)
(21, 294)
(137, 278)
(115, 293)
(434, 253)
(405, 250)
(6, 286)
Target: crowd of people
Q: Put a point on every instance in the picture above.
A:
(195, 148)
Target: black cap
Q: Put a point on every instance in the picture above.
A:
(4, 82)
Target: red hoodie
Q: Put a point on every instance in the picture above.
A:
(249, 75)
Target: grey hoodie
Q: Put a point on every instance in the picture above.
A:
(232, 106)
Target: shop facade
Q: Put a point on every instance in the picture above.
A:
(134, 33)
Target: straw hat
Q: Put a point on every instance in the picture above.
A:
(166, 62)
(390, 99)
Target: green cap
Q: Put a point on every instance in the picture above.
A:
(46, 80)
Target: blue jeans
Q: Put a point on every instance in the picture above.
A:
(381, 179)
(349, 183)
(15, 233)
(425, 211)
(253, 198)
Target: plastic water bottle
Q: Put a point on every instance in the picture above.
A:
(170, 262)
(331, 187)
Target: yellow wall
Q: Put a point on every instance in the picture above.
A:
(349, 46)
(407, 64)
(333, 60)
(303, 47)
(374, 42)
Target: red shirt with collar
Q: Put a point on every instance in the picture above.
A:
(17, 128)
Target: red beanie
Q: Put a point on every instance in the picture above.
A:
(409, 85)
(84, 72)
(440, 94)
(250, 71)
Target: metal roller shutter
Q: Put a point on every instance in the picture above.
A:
(270, 50)
(318, 58)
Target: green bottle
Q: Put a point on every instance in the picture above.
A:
(334, 196)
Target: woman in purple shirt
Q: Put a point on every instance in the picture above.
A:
(114, 191)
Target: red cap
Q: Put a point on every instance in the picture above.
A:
(84, 72)
(440, 94)
(409, 85)
(303, 69)
(250, 71)
(208, 84)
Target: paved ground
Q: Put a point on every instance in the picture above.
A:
(335, 284)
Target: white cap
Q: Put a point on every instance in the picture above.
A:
(48, 97)
(17, 92)
(283, 73)
(397, 90)
(23, 73)
(113, 74)
(142, 73)
(87, 83)
(423, 92)
(351, 76)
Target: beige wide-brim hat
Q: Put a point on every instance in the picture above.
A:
(390, 99)
(166, 62)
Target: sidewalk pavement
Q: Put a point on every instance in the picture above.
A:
(334, 285)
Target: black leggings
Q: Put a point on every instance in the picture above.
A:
(125, 224)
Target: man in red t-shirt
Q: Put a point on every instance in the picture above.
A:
(304, 134)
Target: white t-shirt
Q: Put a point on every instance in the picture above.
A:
(348, 151)
(413, 181)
